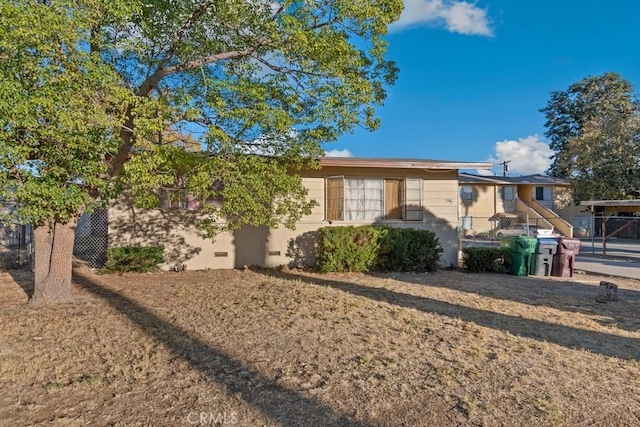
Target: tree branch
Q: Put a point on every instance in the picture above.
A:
(234, 54)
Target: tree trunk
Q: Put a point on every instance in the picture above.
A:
(53, 263)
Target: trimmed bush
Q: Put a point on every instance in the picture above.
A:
(407, 249)
(348, 248)
(377, 248)
(139, 259)
(483, 260)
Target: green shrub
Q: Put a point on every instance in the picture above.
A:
(482, 260)
(407, 249)
(348, 248)
(139, 259)
(375, 248)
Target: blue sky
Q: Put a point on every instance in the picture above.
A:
(473, 76)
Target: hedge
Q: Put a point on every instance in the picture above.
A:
(140, 259)
(377, 248)
(482, 260)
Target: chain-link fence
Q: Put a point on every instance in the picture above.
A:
(90, 245)
(16, 245)
(620, 227)
(92, 240)
(487, 231)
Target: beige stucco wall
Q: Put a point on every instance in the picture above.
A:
(485, 203)
(561, 195)
(186, 245)
(482, 206)
(525, 192)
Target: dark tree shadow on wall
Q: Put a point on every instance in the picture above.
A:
(250, 243)
(448, 236)
(168, 228)
(303, 249)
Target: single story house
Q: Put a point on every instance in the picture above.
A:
(412, 193)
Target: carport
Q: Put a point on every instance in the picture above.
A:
(610, 207)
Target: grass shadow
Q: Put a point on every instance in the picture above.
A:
(24, 278)
(564, 295)
(286, 407)
(566, 336)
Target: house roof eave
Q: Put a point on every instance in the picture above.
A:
(356, 162)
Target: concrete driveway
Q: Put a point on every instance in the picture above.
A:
(623, 258)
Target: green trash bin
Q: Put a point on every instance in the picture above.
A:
(522, 250)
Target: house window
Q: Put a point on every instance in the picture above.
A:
(543, 193)
(363, 198)
(171, 199)
(393, 197)
(507, 192)
(360, 199)
(335, 199)
(412, 199)
(466, 192)
(467, 223)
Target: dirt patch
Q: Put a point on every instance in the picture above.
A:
(296, 348)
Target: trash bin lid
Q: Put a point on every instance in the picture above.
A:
(571, 244)
(547, 241)
(528, 243)
(507, 242)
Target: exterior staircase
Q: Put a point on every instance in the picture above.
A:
(544, 217)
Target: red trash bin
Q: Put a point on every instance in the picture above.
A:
(564, 258)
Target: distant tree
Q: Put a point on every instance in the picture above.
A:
(594, 128)
(92, 93)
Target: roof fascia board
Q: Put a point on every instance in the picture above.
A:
(401, 163)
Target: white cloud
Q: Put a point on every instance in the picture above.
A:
(484, 172)
(457, 16)
(527, 156)
(338, 153)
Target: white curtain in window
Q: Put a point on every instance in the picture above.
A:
(363, 199)
(354, 198)
(374, 198)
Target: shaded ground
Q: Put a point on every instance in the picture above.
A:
(294, 348)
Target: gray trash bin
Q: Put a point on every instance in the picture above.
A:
(545, 251)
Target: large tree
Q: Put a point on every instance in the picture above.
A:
(88, 88)
(594, 128)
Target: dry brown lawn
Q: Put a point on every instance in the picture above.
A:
(295, 348)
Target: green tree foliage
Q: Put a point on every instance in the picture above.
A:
(59, 109)
(594, 128)
(89, 87)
